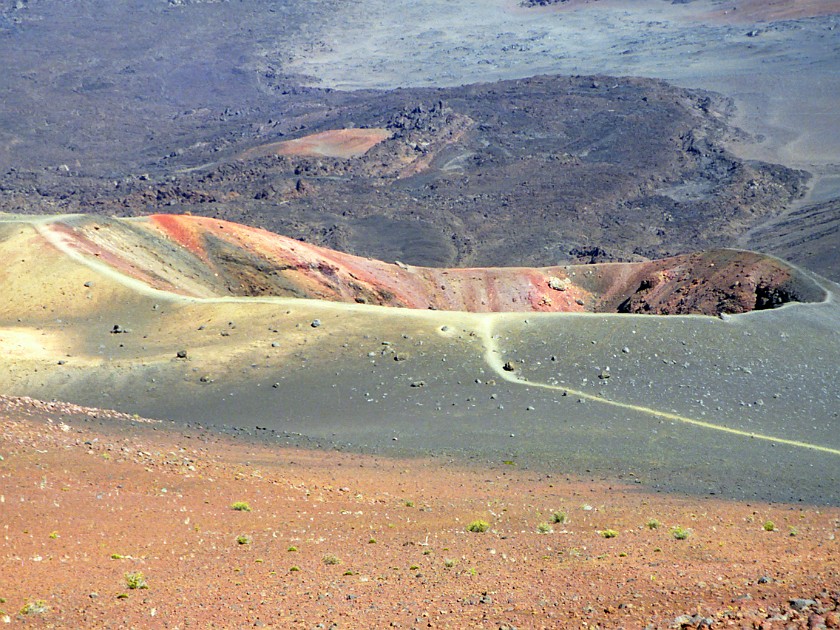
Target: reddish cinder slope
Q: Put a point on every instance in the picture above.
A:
(208, 257)
(335, 143)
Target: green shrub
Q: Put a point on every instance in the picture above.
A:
(653, 524)
(478, 526)
(769, 526)
(331, 559)
(244, 539)
(559, 517)
(680, 533)
(38, 607)
(609, 533)
(135, 580)
(544, 528)
(240, 506)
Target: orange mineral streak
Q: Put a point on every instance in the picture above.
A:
(182, 230)
(316, 272)
(335, 143)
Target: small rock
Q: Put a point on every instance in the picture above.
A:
(557, 284)
(418, 384)
(315, 323)
(764, 579)
(181, 354)
(508, 366)
(801, 604)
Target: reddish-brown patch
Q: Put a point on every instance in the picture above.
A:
(774, 10)
(88, 496)
(183, 229)
(335, 143)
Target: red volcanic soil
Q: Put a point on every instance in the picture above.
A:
(89, 496)
(775, 10)
(730, 11)
(336, 143)
(219, 258)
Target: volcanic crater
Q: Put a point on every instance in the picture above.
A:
(203, 257)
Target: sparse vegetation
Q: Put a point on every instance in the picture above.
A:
(135, 580)
(409, 504)
(653, 524)
(292, 548)
(769, 526)
(292, 569)
(559, 518)
(331, 559)
(240, 506)
(544, 528)
(372, 541)
(117, 556)
(478, 526)
(449, 562)
(37, 607)
(680, 533)
(609, 533)
(793, 531)
(244, 539)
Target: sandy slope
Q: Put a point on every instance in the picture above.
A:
(729, 407)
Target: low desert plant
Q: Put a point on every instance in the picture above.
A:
(240, 506)
(559, 518)
(331, 559)
(680, 533)
(609, 533)
(478, 526)
(291, 569)
(449, 562)
(544, 528)
(769, 526)
(244, 539)
(37, 607)
(653, 524)
(292, 548)
(135, 580)
(409, 504)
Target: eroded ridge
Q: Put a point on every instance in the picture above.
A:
(203, 257)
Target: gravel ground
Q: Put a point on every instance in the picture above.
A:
(339, 540)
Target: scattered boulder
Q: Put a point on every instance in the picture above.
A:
(559, 284)
(181, 354)
(509, 366)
